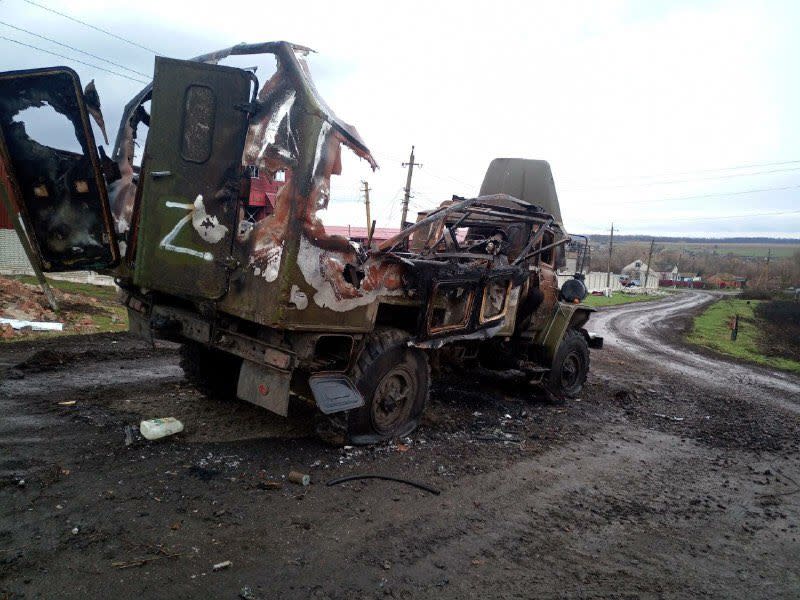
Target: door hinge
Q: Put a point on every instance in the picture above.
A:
(250, 108)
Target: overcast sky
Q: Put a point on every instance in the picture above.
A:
(646, 110)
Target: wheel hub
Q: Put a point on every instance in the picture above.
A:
(394, 399)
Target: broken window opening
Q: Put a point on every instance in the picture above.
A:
(547, 255)
(495, 295)
(450, 307)
(48, 127)
(142, 128)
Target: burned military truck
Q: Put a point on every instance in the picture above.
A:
(274, 307)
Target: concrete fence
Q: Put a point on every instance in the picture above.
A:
(596, 281)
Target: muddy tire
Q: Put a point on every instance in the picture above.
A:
(210, 370)
(394, 380)
(570, 366)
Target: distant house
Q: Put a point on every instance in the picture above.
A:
(674, 278)
(636, 272)
(726, 281)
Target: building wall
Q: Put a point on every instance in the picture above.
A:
(596, 281)
(12, 255)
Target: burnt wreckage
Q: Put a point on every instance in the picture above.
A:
(271, 305)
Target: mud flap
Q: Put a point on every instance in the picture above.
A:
(335, 393)
(265, 387)
(594, 341)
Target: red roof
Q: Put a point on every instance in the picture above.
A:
(263, 192)
(360, 233)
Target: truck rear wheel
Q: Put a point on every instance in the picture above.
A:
(570, 366)
(212, 371)
(394, 380)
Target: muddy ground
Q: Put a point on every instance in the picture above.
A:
(676, 475)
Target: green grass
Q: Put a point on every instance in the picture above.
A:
(101, 292)
(106, 315)
(710, 330)
(617, 298)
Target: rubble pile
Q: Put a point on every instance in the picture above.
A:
(23, 301)
(26, 302)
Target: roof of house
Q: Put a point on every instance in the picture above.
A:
(354, 232)
(637, 265)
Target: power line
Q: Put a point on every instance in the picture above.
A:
(84, 23)
(105, 60)
(717, 217)
(701, 171)
(720, 195)
(73, 59)
(715, 177)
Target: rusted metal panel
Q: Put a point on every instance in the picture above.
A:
(264, 386)
(55, 182)
(320, 281)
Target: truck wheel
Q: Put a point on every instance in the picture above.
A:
(210, 370)
(570, 366)
(394, 380)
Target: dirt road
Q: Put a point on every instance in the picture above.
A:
(675, 476)
(643, 329)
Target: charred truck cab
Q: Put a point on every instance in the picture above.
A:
(272, 306)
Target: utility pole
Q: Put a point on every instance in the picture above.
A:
(410, 164)
(610, 250)
(649, 258)
(366, 203)
(769, 256)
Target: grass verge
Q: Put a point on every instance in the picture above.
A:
(711, 330)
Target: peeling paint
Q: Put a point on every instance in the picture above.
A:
(298, 298)
(324, 271)
(266, 262)
(274, 122)
(208, 226)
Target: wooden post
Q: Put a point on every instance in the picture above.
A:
(649, 258)
(410, 164)
(610, 249)
(366, 203)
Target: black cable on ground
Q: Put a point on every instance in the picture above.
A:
(415, 484)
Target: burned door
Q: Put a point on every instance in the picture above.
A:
(548, 282)
(49, 170)
(190, 178)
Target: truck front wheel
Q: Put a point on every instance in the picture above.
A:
(570, 366)
(394, 380)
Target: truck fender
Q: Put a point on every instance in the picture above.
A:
(566, 316)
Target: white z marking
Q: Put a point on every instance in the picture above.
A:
(167, 244)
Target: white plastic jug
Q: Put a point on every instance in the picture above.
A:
(159, 428)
